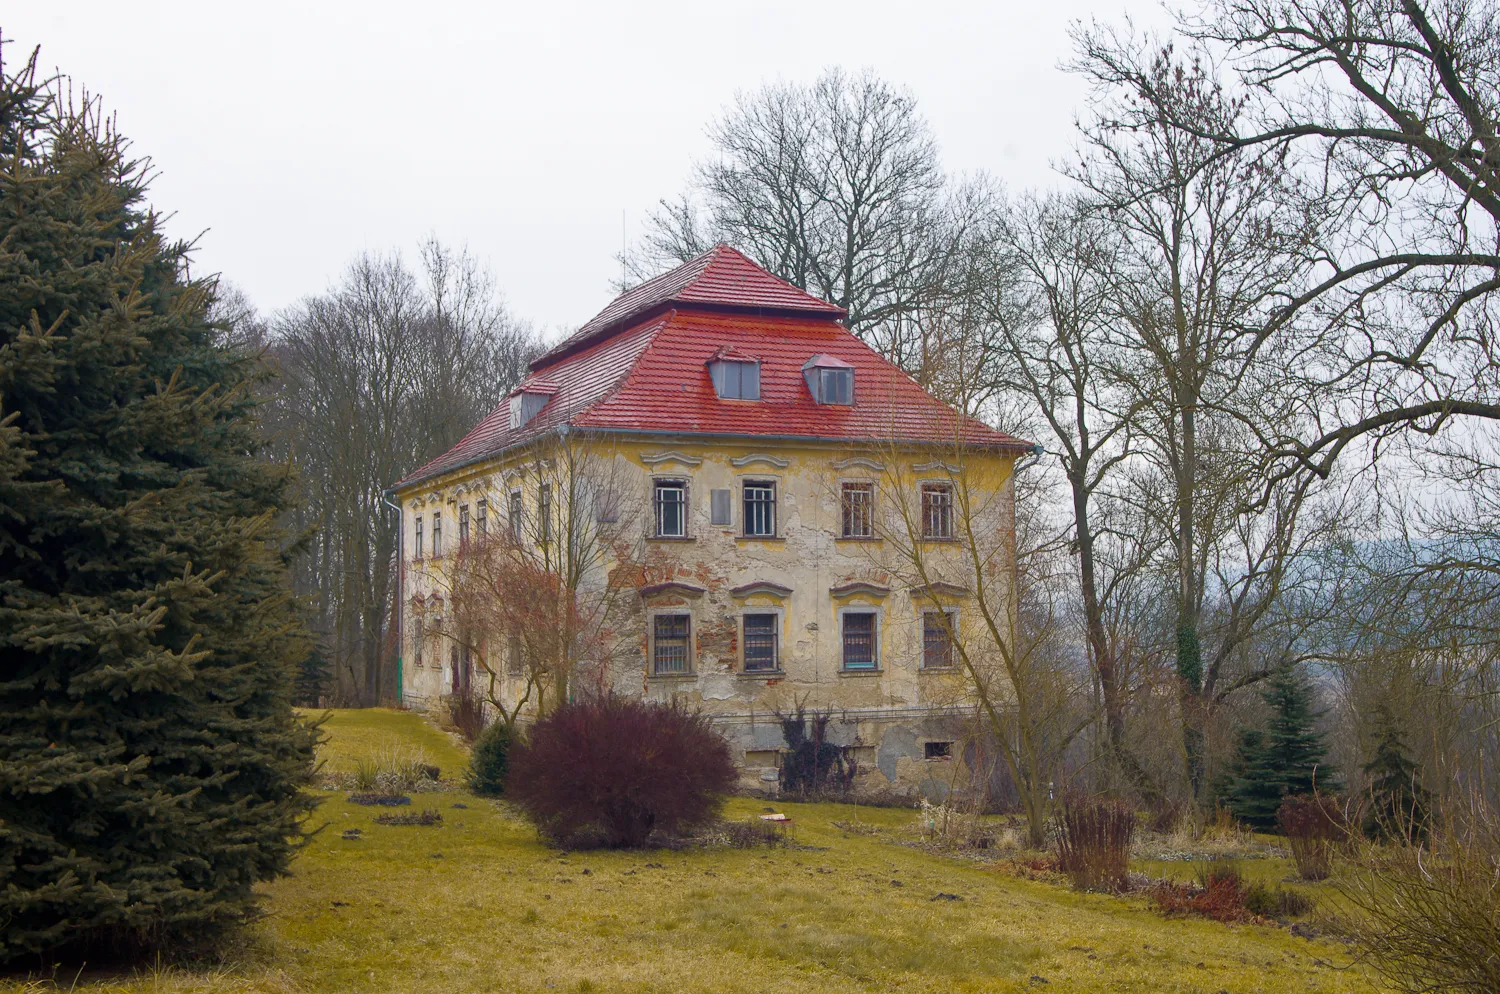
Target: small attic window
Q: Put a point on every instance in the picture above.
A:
(735, 377)
(830, 380)
(527, 402)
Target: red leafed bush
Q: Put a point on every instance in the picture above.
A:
(612, 770)
(1313, 824)
(1220, 894)
(1093, 843)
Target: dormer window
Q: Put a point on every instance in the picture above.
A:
(735, 376)
(527, 402)
(830, 380)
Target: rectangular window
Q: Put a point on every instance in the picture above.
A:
(513, 656)
(838, 386)
(482, 516)
(760, 642)
(517, 513)
(720, 499)
(437, 534)
(669, 500)
(417, 545)
(736, 380)
(463, 525)
(937, 639)
(858, 510)
(937, 510)
(938, 750)
(670, 649)
(760, 508)
(859, 640)
(544, 512)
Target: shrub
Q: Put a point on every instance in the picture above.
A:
(426, 816)
(1428, 913)
(1277, 902)
(488, 763)
(467, 712)
(1220, 894)
(371, 798)
(617, 769)
(753, 833)
(1313, 824)
(394, 769)
(1093, 843)
(812, 766)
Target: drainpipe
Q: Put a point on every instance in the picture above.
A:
(385, 495)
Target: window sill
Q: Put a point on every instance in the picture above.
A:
(760, 538)
(937, 670)
(936, 540)
(860, 538)
(761, 674)
(873, 672)
(673, 676)
(671, 538)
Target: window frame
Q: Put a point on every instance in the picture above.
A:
(437, 534)
(777, 617)
(517, 514)
(463, 525)
(659, 484)
(689, 668)
(944, 510)
(544, 513)
(825, 375)
(417, 546)
(719, 373)
(952, 614)
(482, 516)
(760, 483)
(875, 618)
(846, 487)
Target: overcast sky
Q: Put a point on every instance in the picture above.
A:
(293, 136)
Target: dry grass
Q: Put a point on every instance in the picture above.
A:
(477, 904)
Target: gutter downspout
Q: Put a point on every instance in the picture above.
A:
(385, 495)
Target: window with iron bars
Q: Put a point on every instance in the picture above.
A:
(937, 639)
(859, 640)
(670, 646)
(760, 508)
(760, 643)
(858, 507)
(937, 510)
(669, 501)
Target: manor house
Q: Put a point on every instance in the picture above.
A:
(758, 512)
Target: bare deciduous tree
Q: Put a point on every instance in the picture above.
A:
(386, 370)
(837, 188)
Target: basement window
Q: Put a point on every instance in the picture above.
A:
(938, 750)
(735, 380)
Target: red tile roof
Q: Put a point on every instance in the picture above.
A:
(649, 373)
(719, 278)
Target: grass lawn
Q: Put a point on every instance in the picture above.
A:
(477, 904)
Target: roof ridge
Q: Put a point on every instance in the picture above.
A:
(721, 276)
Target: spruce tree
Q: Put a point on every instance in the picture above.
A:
(150, 761)
(1286, 758)
(1398, 801)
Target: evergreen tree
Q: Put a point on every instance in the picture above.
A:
(1286, 758)
(1398, 802)
(150, 762)
(313, 674)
